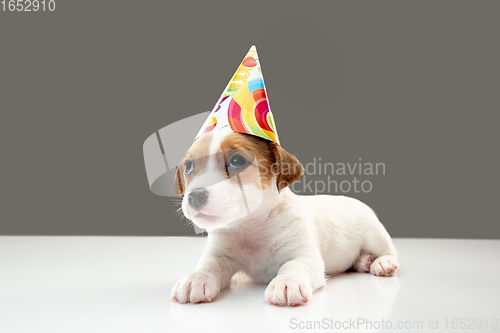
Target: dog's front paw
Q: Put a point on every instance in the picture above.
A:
(288, 290)
(196, 288)
(384, 266)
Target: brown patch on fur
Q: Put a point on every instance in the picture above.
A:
(272, 160)
(178, 183)
(256, 151)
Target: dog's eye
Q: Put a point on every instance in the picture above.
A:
(237, 161)
(188, 167)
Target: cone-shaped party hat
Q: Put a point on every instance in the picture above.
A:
(243, 106)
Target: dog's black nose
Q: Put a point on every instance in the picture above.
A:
(197, 197)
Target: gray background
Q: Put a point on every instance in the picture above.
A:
(411, 84)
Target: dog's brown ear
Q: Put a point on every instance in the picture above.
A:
(178, 183)
(287, 167)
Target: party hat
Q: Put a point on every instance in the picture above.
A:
(243, 106)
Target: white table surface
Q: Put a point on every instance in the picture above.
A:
(123, 284)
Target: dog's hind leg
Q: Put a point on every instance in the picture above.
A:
(379, 243)
(386, 265)
(363, 262)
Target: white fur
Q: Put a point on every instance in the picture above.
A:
(285, 240)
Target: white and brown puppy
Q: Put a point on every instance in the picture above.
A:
(235, 187)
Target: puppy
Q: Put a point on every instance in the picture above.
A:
(236, 187)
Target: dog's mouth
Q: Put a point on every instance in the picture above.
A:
(206, 217)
